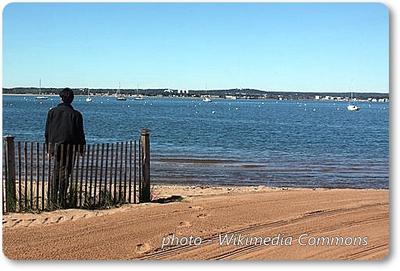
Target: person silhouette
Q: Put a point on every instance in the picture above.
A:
(64, 136)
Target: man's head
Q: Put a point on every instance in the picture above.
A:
(67, 95)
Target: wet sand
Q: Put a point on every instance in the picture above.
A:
(208, 214)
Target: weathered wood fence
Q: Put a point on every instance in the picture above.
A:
(40, 177)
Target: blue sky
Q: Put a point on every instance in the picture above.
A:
(298, 47)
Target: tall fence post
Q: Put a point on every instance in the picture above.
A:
(11, 199)
(144, 195)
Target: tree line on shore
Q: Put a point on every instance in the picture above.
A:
(222, 93)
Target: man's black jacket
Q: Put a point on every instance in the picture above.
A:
(64, 125)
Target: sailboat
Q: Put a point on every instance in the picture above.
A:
(352, 107)
(88, 99)
(118, 96)
(207, 99)
(41, 97)
(137, 96)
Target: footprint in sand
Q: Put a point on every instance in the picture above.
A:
(184, 224)
(59, 219)
(197, 208)
(16, 222)
(29, 222)
(143, 248)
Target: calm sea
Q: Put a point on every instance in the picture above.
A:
(242, 142)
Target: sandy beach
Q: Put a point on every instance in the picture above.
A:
(280, 224)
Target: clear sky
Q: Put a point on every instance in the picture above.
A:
(297, 47)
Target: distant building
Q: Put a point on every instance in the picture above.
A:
(230, 97)
(183, 91)
(327, 98)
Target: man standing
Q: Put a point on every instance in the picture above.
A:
(64, 129)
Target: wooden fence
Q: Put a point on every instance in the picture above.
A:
(37, 177)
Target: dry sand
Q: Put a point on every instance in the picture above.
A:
(137, 231)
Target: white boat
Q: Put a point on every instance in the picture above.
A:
(138, 97)
(119, 96)
(41, 97)
(352, 107)
(207, 99)
(88, 99)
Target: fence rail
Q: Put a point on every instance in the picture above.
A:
(38, 177)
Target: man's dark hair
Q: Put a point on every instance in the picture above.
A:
(67, 95)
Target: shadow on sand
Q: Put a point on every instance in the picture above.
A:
(173, 198)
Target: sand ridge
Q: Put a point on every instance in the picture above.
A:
(30, 219)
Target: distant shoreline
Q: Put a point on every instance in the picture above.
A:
(229, 94)
(332, 99)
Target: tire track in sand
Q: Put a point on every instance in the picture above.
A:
(159, 253)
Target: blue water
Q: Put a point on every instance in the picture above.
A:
(256, 142)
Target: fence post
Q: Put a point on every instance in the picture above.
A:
(144, 195)
(11, 199)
